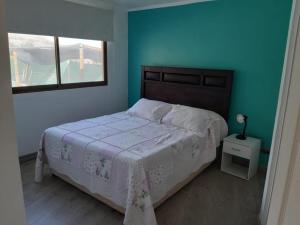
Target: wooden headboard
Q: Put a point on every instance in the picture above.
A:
(202, 88)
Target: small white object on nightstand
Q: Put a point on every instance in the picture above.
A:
(246, 150)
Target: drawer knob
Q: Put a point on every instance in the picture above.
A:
(235, 149)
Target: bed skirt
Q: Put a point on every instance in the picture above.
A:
(121, 209)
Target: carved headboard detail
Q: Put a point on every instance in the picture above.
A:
(202, 88)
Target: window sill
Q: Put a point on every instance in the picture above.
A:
(54, 87)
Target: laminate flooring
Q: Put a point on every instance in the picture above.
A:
(212, 198)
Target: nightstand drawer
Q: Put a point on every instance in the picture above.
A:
(237, 150)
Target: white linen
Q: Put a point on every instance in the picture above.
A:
(195, 119)
(150, 109)
(131, 161)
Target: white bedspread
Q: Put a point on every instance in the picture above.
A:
(131, 161)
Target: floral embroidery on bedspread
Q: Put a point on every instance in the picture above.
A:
(158, 175)
(66, 152)
(139, 209)
(55, 153)
(142, 173)
(62, 152)
(97, 165)
(195, 146)
(139, 196)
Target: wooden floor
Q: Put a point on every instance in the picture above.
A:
(213, 198)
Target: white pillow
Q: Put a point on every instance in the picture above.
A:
(150, 109)
(193, 119)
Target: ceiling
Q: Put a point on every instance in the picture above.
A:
(133, 5)
(141, 4)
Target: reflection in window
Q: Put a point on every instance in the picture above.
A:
(81, 60)
(32, 59)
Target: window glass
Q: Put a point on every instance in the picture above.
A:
(32, 59)
(81, 60)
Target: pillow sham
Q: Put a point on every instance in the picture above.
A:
(196, 120)
(150, 109)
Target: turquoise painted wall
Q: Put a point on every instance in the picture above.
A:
(248, 36)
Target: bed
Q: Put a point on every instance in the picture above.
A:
(134, 164)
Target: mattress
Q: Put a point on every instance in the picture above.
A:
(128, 160)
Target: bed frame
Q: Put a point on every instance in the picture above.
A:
(203, 88)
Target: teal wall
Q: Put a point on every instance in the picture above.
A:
(248, 36)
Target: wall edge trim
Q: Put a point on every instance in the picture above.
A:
(165, 5)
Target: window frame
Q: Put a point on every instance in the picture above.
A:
(62, 86)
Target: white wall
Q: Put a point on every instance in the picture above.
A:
(285, 198)
(280, 121)
(37, 111)
(60, 18)
(290, 211)
(11, 198)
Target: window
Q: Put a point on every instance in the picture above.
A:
(32, 60)
(80, 60)
(48, 63)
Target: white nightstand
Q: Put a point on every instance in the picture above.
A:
(240, 157)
